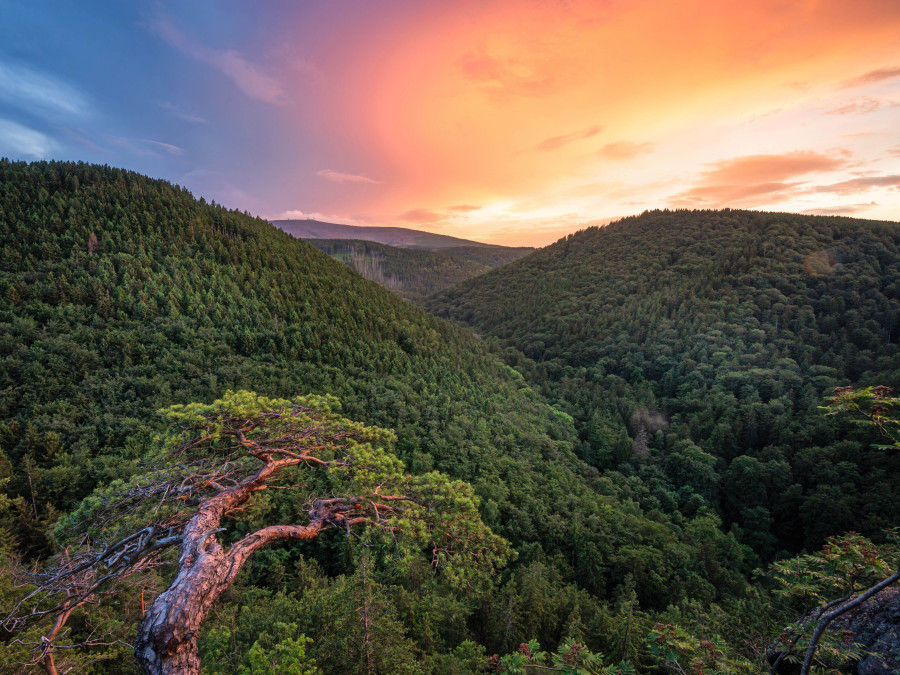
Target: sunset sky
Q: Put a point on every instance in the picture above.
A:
(510, 122)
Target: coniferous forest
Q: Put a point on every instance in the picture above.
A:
(613, 456)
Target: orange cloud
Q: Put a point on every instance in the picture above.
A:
(461, 89)
(760, 168)
(340, 177)
(558, 141)
(625, 149)
(464, 208)
(757, 179)
(873, 76)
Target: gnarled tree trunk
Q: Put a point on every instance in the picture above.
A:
(167, 636)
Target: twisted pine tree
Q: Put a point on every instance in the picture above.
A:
(216, 459)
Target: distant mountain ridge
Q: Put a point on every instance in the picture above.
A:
(402, 237)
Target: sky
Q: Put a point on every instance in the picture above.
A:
(505, 121)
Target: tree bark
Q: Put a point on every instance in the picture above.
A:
(167, 636)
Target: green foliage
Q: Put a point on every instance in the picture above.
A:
(814, 583)
(692, 349)
(109, 627)
(571, 658)
(281, 654)
(287, 657)
(224, 440)
(489, 256)
(678, 651)
(683, 354)
(873, 406)
(178, 300)
(845, 564)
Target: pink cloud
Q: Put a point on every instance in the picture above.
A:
(464, 208)
(872, 76)
(559, 141)
(340, 177)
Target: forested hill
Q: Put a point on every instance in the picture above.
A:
(416, 273)
(402, 237)
(122, 295)
(693, 348)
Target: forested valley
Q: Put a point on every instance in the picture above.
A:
(693, 350)
(636, 409)
(415, 274)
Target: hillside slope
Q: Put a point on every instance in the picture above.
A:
(693, 348)
(123, 294)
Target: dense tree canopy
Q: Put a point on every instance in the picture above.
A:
(219, 460)
(693, 348)
(122, 295)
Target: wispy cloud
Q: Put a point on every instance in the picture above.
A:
(842, 210)
(625, 149)
(559, 141)
(860, 106)
(39, 93)
(464, 208)
(142, 147)
(872, 77)
(757, 179)
(180, 114)
(168, 147)
(18, 141)
(253, 80)
(82, 140)
(856, 185)
(340, 177)
(758, 168)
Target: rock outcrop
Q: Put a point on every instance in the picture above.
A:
(875, 625)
